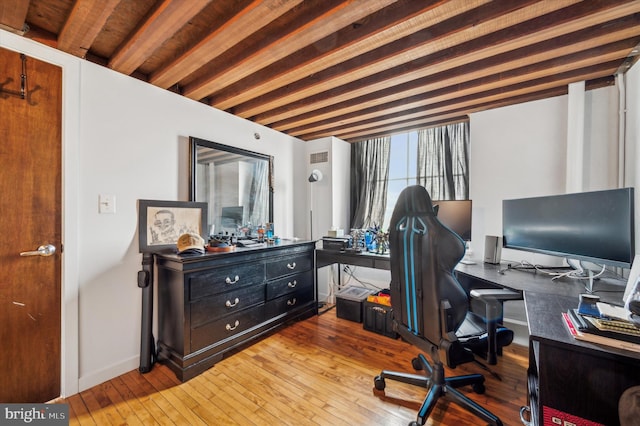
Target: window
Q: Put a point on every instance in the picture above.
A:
(402, 169)
(436, 158)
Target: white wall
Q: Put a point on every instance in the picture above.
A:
(126, 138)
(516, 151)
(328, 199)
(632, 138)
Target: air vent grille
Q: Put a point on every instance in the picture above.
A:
(319, 157)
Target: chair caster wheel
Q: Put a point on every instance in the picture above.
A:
(379, 383)
(416, 364)
(478, 388)
(414, 423)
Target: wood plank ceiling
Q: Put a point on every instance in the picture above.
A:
(352, 69)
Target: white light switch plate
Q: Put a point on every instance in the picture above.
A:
(106, 204)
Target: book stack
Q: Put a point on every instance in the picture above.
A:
(613, 332)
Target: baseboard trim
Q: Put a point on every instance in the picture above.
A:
(97, 377)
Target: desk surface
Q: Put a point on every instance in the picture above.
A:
(544, 320)
(609, 289)
(365, 259)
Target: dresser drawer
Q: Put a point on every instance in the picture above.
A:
(221, 330)
(225, 278)
(211, 304)
(290, 301)
(289, 284)
(286, 265)
(210, 308)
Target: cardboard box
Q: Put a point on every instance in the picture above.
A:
(349, 302)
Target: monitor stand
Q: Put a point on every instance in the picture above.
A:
(466, 260)
(589, 287)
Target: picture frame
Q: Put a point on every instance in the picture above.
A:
(160, 223)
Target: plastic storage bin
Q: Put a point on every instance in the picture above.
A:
(379, 319)
(349, 303)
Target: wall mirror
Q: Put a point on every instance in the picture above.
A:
(236, 183)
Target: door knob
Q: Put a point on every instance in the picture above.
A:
(45, 250)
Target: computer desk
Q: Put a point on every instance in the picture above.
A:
(568, 380)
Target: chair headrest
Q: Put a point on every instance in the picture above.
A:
(415, 199)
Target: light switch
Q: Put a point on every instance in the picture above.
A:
(106, 204)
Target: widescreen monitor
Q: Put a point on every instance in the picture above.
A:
(456, 215)
(595, 226)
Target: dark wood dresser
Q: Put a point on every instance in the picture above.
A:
(213, 303)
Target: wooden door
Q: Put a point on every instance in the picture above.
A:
(30, 216)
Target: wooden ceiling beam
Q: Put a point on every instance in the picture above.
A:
(395, 21)
(13, 15)
(285, 102)
(343, 14)
(415, 124)
(534, 74)
(83, 25)
(589, 41)
(284, 27)
(349, 68)
(409, 128)
(442, 36)
(462, 105)
(247, 21)
(390, 114)
(167, 18)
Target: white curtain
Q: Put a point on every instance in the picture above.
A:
(369, 179)
(443, 161)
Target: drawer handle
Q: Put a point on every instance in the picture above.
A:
(235, 280)
(233, 327)
(292, 284)
(228, 304)
(292, 302)
(291, 266)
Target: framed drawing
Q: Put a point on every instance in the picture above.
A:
(160, 223)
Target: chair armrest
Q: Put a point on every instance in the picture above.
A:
(493, 299)
(499, 294)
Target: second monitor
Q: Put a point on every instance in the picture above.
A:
(456, 215)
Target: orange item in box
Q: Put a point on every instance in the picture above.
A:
(384, 299)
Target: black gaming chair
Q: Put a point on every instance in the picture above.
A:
(430, 306)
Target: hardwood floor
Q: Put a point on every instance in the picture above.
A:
(316, 372)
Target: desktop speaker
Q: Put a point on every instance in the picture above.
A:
(492, 249)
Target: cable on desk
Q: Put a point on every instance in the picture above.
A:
(573, 273)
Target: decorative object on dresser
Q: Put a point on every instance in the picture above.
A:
(212, 304)
(160, 224)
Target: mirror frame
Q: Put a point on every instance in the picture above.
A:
(195, 142)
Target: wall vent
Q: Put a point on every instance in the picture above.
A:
(319, 157)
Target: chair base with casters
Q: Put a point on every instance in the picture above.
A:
(439, 386)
